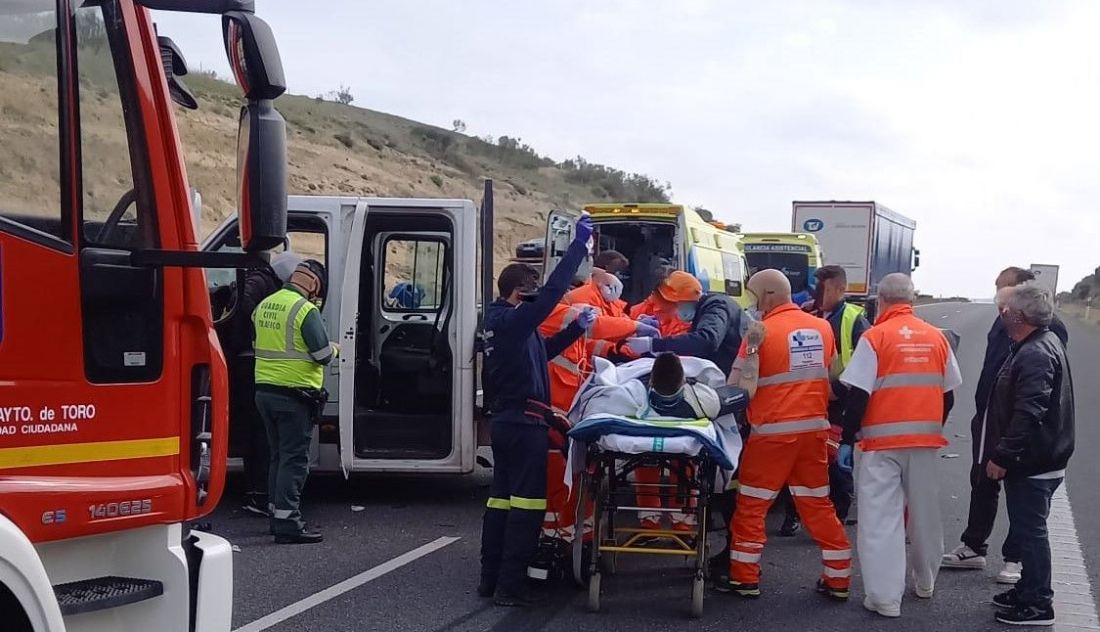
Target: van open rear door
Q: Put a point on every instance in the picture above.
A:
(349, 332)
(559, 234)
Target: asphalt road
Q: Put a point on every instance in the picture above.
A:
(368, 522)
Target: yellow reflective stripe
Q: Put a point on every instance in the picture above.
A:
(498, 503)
(71, 453)
(572, 367)
(531, 504)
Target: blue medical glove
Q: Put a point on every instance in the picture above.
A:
(587, 318)
(649, 331)
(844, 457)
(583, 231)
(649, 320)
(640, 346)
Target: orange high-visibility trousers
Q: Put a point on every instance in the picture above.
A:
(800, 461)
(650, 496)
(561, 505)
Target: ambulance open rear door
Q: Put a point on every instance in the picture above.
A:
(560, 226)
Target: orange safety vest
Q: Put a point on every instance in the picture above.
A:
(609, 325)
(793, 392)
(668, 324)
(906, 407)
(568, 368)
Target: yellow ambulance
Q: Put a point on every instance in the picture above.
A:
(653, 235)
(796, 255)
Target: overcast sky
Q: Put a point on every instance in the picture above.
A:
(976, 119)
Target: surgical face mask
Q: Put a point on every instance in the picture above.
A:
(612, 291)
(686, 312)
(528, 293)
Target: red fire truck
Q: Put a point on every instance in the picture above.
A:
(113, 390)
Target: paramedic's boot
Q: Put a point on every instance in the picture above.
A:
(836, 594)
(747, 591)
(304, 536)
(486, 587)
(523, 598)
(791, 525)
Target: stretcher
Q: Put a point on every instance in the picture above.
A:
(608, 446)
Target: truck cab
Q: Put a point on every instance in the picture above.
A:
(113, 388)
(655, 235)
(796, 255)
(402, 304)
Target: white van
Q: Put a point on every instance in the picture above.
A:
(401, 397)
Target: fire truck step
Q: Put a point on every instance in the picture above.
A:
(101, 593)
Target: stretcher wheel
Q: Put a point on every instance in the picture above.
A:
(609, 563)
(697, 590)
(594, 593)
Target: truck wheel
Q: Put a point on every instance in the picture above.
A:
(11, 612)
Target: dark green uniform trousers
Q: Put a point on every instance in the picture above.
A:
(289, 424)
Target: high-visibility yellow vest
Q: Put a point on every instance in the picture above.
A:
(282, 357)
(847, 327)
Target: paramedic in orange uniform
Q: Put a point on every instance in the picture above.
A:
(663, 310)
(787, 446)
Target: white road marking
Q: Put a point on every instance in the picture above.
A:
(1074, 604)
(348, 584)
(944, 316)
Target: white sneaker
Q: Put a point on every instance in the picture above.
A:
(1010, 574)
(924, 593)
(963, 557)
(887, 611)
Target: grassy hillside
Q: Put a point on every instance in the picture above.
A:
(334, 149)
(337, 149)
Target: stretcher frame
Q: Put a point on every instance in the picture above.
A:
(606, 481)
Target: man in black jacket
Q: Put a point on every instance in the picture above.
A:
(716, 324)
(1031, 407)
(984, 492)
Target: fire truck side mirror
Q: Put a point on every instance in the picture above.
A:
(261, 137)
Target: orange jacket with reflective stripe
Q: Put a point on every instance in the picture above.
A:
(793, 392)
(567, 369)
(611, 324)
(906, 407)
(668, 324)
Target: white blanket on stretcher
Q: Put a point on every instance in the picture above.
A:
(616, 391)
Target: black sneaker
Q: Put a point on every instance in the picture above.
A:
(747, 591)
(486, 587)
(305, 536)
(836, 594)
(791, 526)
(257, 506)
(1007, 599)
(1027, 615)
(525, 599)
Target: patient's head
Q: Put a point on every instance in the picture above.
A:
(667, 376)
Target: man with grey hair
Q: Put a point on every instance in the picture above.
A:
(902, 375)
(1031, 406)
(985, 492)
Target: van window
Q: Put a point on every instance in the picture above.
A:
(414, 274)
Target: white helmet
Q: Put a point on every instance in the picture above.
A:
(284, 264)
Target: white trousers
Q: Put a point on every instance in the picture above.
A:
(888, 482)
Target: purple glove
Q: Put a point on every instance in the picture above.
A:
(647, 331)
(587, 318)
(649, 320)
(584, 229)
